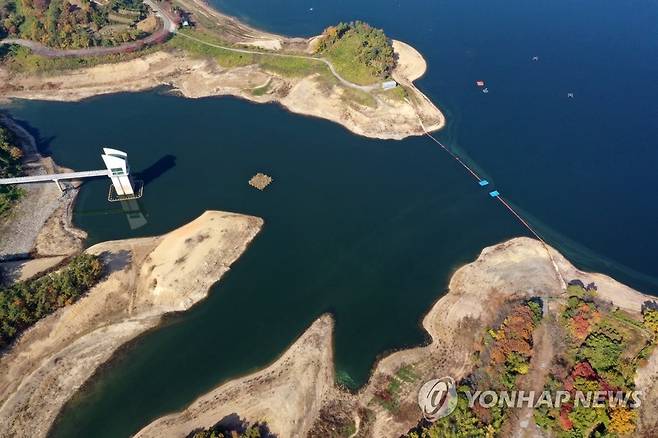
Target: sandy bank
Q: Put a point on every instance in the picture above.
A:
(519, 268)
(296, 383)
(375, 114)
(145, 279)
(383, 117)
(40, 223)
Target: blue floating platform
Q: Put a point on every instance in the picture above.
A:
(494, 194)
(483, 182)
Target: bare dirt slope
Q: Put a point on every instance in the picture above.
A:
(519, 268)
(295, 384)
(145, 279)
(42, 207)
(379, 115)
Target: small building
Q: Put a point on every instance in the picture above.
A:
(389, 85)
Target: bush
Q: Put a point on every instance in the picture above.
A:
(360, 53)
(24, 303)
(601, 352)
(10, 166)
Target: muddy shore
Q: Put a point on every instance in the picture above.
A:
(516, 269)
(375, 114)
(38, 233)
(144, 279)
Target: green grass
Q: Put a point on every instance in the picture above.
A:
(260, 91)
(22, 60)
(225, 58)
(352, 95)
(293, 67)
(281, 65)
(342, 54)
(398, 93)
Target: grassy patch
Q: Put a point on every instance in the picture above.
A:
(352, 95)
(389, 397)
(293, 67)
(288, 66)
(261, 91)
(359, 52)
(21, 60)
(225, 58)
(398, 93)
(342, 56)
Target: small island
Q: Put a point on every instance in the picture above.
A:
(352, 73)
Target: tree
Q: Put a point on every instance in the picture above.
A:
(622, 420)
(601, 351)
(651, 320)
(24, 303)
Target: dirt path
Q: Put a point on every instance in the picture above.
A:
(364, 88)
(519, 268)
(363, 110)
(521, 423)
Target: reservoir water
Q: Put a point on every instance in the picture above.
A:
(372, 230)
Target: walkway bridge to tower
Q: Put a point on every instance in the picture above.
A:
(123, 187)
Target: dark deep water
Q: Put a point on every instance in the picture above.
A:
(372, 230)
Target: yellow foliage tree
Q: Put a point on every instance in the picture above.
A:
(651, 320)
(622, 421)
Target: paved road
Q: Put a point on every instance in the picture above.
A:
(168, 26)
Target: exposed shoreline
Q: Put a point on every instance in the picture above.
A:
(146, 278)
(517, 269)
(384, 116)
(38, 232)
(297, 392)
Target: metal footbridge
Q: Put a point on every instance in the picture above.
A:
(122, 187)
(55, 177)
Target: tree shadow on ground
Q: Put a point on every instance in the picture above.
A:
(116, 261)
(232, 425)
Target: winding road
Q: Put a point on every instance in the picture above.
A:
(168, 26)
(366, 88)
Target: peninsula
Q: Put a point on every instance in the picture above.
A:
(352, 74)
(143, 279)
(496, 290)
(512, 288)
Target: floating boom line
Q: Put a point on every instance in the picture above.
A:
(483, 182)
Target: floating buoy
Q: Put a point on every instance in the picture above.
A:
(535, 58)
(570, 95)
(479, 83)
